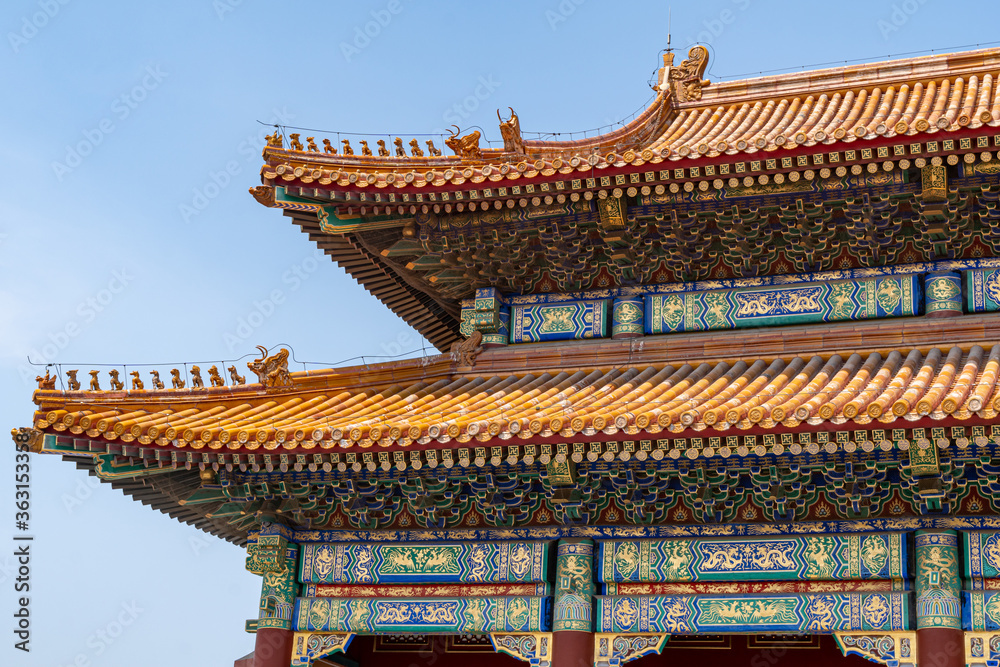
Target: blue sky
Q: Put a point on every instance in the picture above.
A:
(127, 234)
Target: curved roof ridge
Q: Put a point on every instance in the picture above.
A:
(881, 73)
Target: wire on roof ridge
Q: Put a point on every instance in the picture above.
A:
(856, 60)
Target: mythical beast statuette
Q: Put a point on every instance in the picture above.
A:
(510, 130)
(465, 352)
(271, 371)
(467, 146)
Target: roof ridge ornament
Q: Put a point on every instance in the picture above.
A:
(685, 82)
(466, 351)
(510, 130)
(464, 146)
(47, 383)
(271, 371)
(29, 438)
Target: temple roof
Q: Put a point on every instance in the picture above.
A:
(713, 180)
(690, 119)
(429, 403)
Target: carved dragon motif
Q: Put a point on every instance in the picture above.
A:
(264, 194)
(685, 80)
(467, 146)
(510, 130)
(466, 351)
(271, 371)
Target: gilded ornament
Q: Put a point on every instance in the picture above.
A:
(685, 80)
(991, 285)
(382, 150)
(274, 140)
(467, 146)
(311, 141)
(466, 351)
(236, 377)
(876, 611)
(347, 147)
(295, 144)
(116, 384)
(510, 130)
(874, 552)
(271, 371)
(431, 149)
(175, 378)
(364, 148)
(415, 149)
(71, 382)
(398, 143)
(136, 381)
(95, 384)
(264, 195)
(27, 437)
(157, 382)
(888, 294)
(626, 558)
(196, 381)
(47, 382)
(214, 378)
(820, 562)
(328, 147)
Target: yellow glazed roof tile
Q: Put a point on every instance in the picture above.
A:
(823, 109)
(903, 385)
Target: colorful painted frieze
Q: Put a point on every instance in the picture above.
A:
(559, 321)
(820, 557)
(277, 592)
(626, 317)
(476, 615)
(943, 293)
(982, 556)
(477, 562)
(423, 590)
(574, 586)
(811, 613)
(501, 336)
(953, 266)
(869, 298)
(936, 583)
(981, 610)
(982, 290)
(748, 587)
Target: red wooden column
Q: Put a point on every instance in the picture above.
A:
(273, 648)
(572, 618)
(939, 625)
